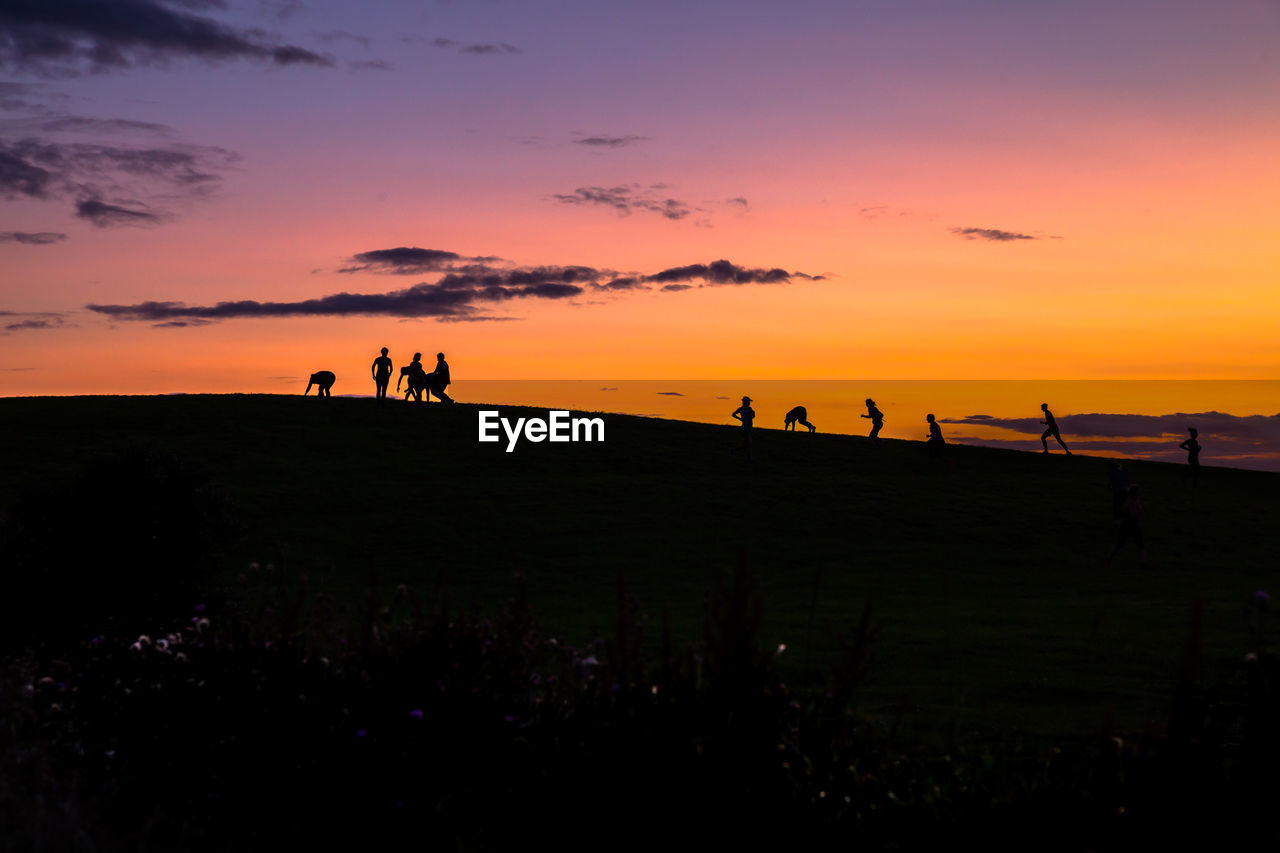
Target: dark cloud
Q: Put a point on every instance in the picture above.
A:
(103, 176)
(626, 199)
(1254, 427)
(738, 201)
(992, 234)
(104, 215)
(610, 141)
(370, 65)
(670, 394)
(464, 286)
(182, 324)
(406, 260)
(25, 321)
(723, 272)
(1229, 439)
(72, 36)
(32, 238)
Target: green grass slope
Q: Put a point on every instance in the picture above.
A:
(996, 615)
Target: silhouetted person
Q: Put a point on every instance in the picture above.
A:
(438, 380)
(381, 368)
(798, 415)
(877, 419)
(1118, 482)
(1130, 525)
(323, 380)
(1051, 429)
(417, 376)
(746, 414)
(406, 375)
(935, 441)
(1192, 446)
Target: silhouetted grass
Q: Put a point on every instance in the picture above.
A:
(266, 720)
(997, 622)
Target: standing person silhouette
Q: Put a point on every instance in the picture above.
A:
(438, 379)
(381, 369)
(935, 441)
(1192, 446)
(798, 414)
(1130, 526)
(746, 414)
(417, 378)
(1051, 429)
(877, 419)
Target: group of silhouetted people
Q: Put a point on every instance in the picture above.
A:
(418, 380)
(1126, 503)
(434, 383)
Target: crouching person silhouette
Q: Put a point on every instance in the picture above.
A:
(323, 380)
(798, 415)
(934, 441)
(438, 380)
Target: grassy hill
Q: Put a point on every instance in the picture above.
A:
(996, 615)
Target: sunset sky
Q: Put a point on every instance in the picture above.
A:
(898, 190)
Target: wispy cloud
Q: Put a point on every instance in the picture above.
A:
(610, 141)
(626, 199)
(104, 215)
(26, 321)
(65, 37)
(994, 235)
(107, 179)
(476, 49)
(32, 238)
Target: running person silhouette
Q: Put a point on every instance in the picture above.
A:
(798, 414)
(877, 420)
(381, 368)
(1192, 446)
(1051, 429)
(746, 414)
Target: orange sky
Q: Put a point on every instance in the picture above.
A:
(1138, 159)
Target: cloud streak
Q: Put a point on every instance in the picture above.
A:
(406, 260)
(26, 321)
(66, 37)
(32, 238)
(466, 289)
(610, 141)
(627, 199)
(1234, 439)
(993, 235)
(481, 49)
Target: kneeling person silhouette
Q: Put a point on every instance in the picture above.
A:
(798, 415)
(323, 380)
